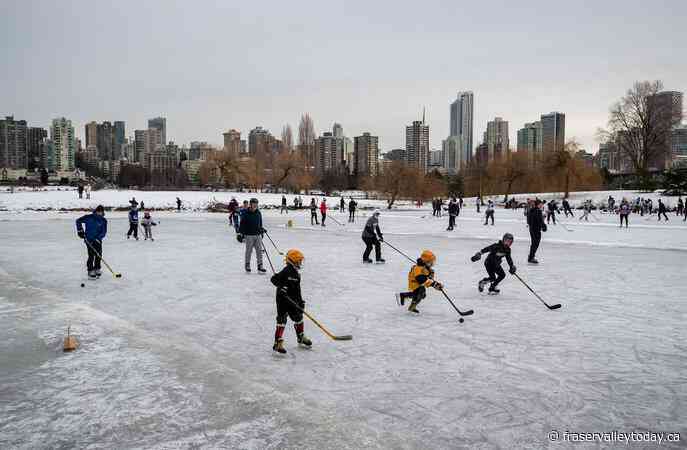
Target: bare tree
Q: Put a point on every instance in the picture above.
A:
(511, 170)
(287, 137)
(306, 139)
(640, 124)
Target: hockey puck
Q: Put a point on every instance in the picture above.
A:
(83, 285)
(461, 320)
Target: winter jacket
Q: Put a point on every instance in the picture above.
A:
(96, 226)
(453, 209)
(420, 275)
(147, 222)
(535, 220)
(323, 208)
(661, 207)
(233, 206)
(624, 209)
(133, 217)
(372, 226)
(290, 279)
(251, 223)
(352, 205)
(497, 252)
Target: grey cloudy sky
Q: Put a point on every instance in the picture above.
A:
(370, 65)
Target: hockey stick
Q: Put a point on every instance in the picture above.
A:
(275, 245)
(462, 313)
(400, 252)
(556, 306)
(345, 337)
(332, 217)
(116, 275)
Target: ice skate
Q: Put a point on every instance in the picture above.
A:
(304, 340)
(413, 307)
(279, 346)
(481, 284)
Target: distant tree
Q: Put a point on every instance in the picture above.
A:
(306, 139)
(640, 124)
(287, 137)
(510, 170)
(456, 185)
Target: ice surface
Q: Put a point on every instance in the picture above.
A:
(177, 353)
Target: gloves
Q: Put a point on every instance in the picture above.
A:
(438, 286)
(543, 228)
(512, 270)
(476, 257)
(283, 290)
(81, 234)
(381, 238)
(239, 237)
(263, 231)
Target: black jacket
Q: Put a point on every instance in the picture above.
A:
(291, 280)
(535, 220)
(497, 252)
(251, 223)
(453, 209)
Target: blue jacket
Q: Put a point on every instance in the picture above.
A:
(133, 216)
(251, 223)
(96, 226)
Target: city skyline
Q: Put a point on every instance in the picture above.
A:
(134, 73)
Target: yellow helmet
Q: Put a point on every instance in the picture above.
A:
(295, 257)
(428, 257)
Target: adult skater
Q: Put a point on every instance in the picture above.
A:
(624, 212)
(87, 190)
(96, 229)
(420, 277)
(233, 212)
(342, 205)
(323, 210)
(352, 206)
(680, 207)
(250, 232)
(313, 212)
(489, 213)
(133, 223)
(452, 214)
(178, 204)
(551, 211)
(133, 202)
(80, 190)
(284, 208)
(372, 237)
(535, 222)
(662, 210)
(148, 224)
(497, 252)
(586, 210)
(478, 202)
(288, 283)
(566, 208)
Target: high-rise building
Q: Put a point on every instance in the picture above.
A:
(454, 155)
(140, 139)
(496, 138)
(36, 136)
(337, 130)
(232, 141)
(13, 144)
(48, 161)
(436, 159)
(461, 123)
(331, 149)
(62, 135)
(366, 150)
(259, 141)
(668, 106)
(417, 145)
(119, 138)
(105, 141)
(154, 141)
(553, 132)
(159, 123)
(92, 134)
(678, 141)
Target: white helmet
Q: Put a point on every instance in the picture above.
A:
(377, 212)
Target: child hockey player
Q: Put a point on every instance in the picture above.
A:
(496, 252)
(420, 277)
(133, 222)
(96, 229)
(148, 224)
(289, 300)
(489, 213)
(313, 212)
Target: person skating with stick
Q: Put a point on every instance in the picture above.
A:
(352, 205)
(372, 236)
(313, 212)
(290, 302)
(492, 264)
(453, 210)
(284, 208)
(489, 213)
(133, 223)
(96, 230)
(566, 208)
(624, 212)
(662, 210)
(420, 277)
(323, 210)
(250, 231)
(535, 222)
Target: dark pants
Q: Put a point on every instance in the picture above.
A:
(551, 215)
(568, 210)
(487, 215)
(623, 217)
(286, 308)
(417, 295)
(133, 228)
(324, 217)
(351, 215)
(535, 237)
(369, 243)
(95, 251)
(495, 272)
(664, 215)
(313, 218)
(451, 222)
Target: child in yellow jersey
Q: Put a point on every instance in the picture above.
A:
(420, 277)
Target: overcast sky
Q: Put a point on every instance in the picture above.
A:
(370, 65)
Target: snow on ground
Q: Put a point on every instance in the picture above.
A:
(177, 353)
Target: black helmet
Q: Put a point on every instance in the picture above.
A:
(507, 237)
(100, 209)
(254, 200)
